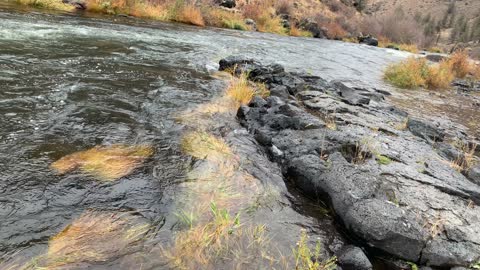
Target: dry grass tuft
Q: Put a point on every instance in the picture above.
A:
(464, 162)
(47, 4)
(223, 18)
(105, 162)
(190, 14)
(440, 76)
(411, 73)
(240, 90)
(475, 70)
(408, 48)
(460, 64)
(296, 32)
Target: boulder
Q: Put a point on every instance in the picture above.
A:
(227, 3)
(313, 27)
(368, 40)
(425, 130)
(353, 258)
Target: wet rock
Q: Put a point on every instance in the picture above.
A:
(425, 130)
(353, 258)
(368, 40)
(233, 62)
(414, 207)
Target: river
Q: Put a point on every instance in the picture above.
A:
(73, 81)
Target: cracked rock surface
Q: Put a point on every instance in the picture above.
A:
(383, 173)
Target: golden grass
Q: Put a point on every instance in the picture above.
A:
(411, 73)
(440, 76)
(475, 70)
(460, 64)
(240, 90)
(105, 162)
(408, 48)
(467, 159)
(296, 32)
(190, 14)
(223, 18)
(47, 4)
(435, 50)
(202, 145)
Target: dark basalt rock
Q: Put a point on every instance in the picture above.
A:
(353, 258)
(227, 3)
(390, 188)
(368, 40)
(313, 27)
(425, 130)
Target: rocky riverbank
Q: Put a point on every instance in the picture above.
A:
(399, 185)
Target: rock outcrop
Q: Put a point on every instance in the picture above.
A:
(379, 170)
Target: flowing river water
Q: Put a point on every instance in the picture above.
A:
(73, 82)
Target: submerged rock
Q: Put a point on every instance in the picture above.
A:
(387, 185)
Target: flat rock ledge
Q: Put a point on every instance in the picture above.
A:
(389, 178)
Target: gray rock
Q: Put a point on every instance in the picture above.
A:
(416, 208)
(474, 174)
(425, 130)
(353, 258)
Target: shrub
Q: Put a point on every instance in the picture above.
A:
(283, 7)
(435, 50)
(335, 30)
(440, 76)
(222, 18)
(475, 69)
(190, 14)
(411, 73)
(460, 63)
